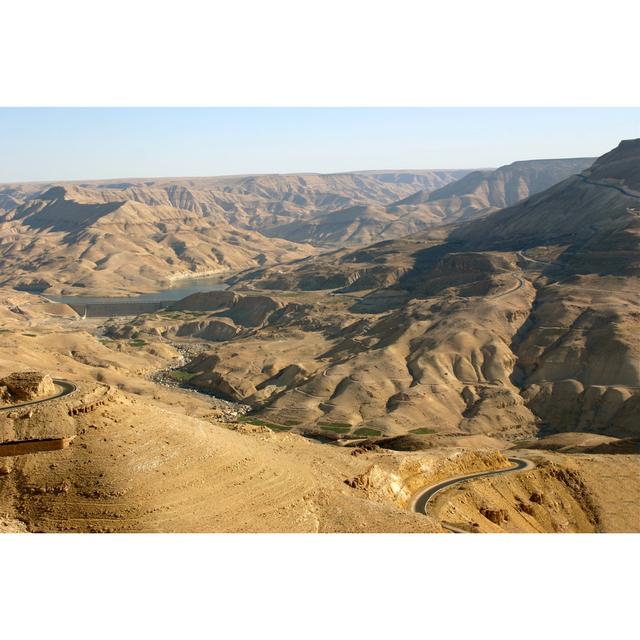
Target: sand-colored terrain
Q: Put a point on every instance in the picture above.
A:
(344, 383)
(476, 194)
(485, 329)
(147, 457)
(120, 237)
(563, 494)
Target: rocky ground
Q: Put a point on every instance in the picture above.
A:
(156, 458)
(370, 373)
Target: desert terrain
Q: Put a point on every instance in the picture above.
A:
(380, 333)
(123, 237)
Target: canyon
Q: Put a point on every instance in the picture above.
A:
(377, 333)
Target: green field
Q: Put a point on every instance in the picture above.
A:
(366, 431)
(422, 431)
(263, 423)
(336, 427)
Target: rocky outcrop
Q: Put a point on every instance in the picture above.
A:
(246, 311)
(497, 516)
(48, 421)
(214, 330)
(206, 301)
(92, 400)
(23, 386)
(50, 425)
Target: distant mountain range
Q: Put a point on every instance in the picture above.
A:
(121, 236)
(475, 194)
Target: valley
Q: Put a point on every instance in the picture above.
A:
(312, 352)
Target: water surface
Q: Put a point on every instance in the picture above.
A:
(181, 289)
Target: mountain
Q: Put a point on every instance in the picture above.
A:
(475, 194)
(107, 237)
(522, 322)
(253, 202)
(357, 225)
(423, 358)
(121, 236)
(77, 238)
(502, 187)
(593, 218)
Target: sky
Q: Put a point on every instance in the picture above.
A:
(94, 143)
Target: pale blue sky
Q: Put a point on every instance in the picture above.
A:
(86, 143)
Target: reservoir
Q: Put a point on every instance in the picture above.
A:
(96, 307)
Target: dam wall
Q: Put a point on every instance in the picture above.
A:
(113, 309)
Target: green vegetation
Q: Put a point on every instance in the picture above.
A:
(137, 342)
(336, 427)
(29, 335)
(263, 423)
(277, 427)
(177, 313)
(251, 420)
(180, 376)
(422, 431)
(366, 431)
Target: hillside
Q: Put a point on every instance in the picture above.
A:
(119, 237)
(502, 187)
(124, 236)
(337, 385)
(139, 456)
(505, 325)
(68, 238)
(475, 194)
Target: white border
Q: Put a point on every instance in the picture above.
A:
(305, 586)
(357, 53)
(335, 52)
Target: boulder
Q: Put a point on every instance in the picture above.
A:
(23, 386)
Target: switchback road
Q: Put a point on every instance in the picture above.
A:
(519, 285)
(66, 388)
(422, 499)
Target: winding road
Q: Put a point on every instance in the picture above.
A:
(506, 293)
(522, 255)
(422, 499)
(606, 185)
(66, 389)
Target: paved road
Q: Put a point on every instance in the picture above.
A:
(622, 190)
(528, 259)
(506, 293)
(66, 389)
(422, 500)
